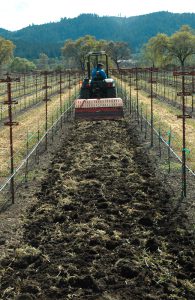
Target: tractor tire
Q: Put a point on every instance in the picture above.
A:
(111, 93)
(84, 94)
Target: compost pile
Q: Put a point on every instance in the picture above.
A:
(103, 226)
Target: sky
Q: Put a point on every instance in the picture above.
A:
(17, 14)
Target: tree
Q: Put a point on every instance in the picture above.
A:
(155, 52)
(118, 51)
(22, 65)
(161, 49)
(78, 49)
(181, 44)
(43, 62)
(6, 50)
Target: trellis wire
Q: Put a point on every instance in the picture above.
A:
(32, 151)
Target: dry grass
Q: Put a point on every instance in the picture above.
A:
(29, 123)
(165, 116)
(170, 91)
(29, 96)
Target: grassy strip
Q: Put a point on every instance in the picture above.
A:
(168, 91)
(165, 117)
(26, 100)
(30, 123)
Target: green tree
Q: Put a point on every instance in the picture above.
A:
(155, 52)
(43, 62)
(6, 50)
(118, 51)
(77, 50)
(161, 49)
(22, 65)
(181, 45)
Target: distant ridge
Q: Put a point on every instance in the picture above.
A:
(49, 38)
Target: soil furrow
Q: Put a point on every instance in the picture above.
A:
(101, 228)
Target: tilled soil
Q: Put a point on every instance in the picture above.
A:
(103, 226)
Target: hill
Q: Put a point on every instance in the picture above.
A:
(50, 37)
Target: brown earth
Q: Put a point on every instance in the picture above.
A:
(103, 226)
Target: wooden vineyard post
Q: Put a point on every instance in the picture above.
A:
(144, 79)
(60, 92)
(24, 90)
(151, 107)
(36, 88)
(141, 115)
(130, 96)
(52, 122)
(183, 93)
(125, 80)
(136, 71)
(152, 95)
(175, 81)
(169, 149)
(69, 87)
(75, 85)
(1, 112)
(69, 114)
(121, 81)
(10, 123)
(146, 124)
(157, 80)
(27, 150)
(164, 83)
(137, 92)
(46, 99)
(159, 140)
(193, 92)
(37, 150)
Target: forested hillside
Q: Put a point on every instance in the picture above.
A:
(49, 38)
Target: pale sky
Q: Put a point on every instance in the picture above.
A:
(17, 14)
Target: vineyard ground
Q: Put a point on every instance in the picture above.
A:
(98, 225)
(12, 216)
